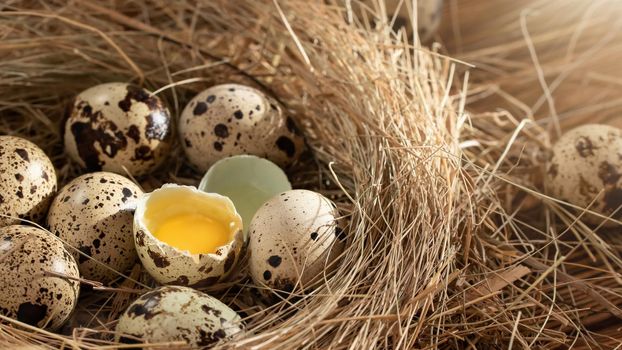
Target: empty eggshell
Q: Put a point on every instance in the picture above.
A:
(232, 119)
(94, 214)
(27, 181)
(39, 278)
(168, 264)
(171, 313)
(586, 170)
(294, 239)
(116, 125)
(248, 181)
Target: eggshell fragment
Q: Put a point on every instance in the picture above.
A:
(170, 265)
(172, 313)
(116, 125)
(585, 169)
(232, 119)
(39, 278)
(27, 181)
(94, 214)
(248, 181)
(294, 240)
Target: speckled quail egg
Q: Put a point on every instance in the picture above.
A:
(294, 238)
(173, 313)
(187, 237)
(94, 214)
(27, 181)
(232, 119)
(586, 170)
(38, 277)
(116, 125)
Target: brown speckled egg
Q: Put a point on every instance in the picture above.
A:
(294, 238)
(169, 314)
(27, 181)
(231, 119)
(116, 125)
(94, 213)
(38, 277)
(586, 170)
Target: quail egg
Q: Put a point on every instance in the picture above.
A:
(173, 313)
(294, 238)
(248, 181)
(27, 181)
(94, 214)
(232, 119)
(116, 125)
(187, 237)
(586, 170)
(39, 278)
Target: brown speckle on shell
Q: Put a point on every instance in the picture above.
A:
(584, 146)
(159, 260)
(200, 108)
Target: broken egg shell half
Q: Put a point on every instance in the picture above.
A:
(249, 182)
(168, 264)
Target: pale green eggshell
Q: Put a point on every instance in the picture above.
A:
(249, 182)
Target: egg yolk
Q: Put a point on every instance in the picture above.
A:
(195, 233)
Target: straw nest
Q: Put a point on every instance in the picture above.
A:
(450, 242)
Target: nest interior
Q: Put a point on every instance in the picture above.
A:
(433, 154)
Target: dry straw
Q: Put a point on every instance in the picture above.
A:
(450, 243)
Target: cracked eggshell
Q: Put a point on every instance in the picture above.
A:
(29, 293)
(27, 181)
(230, 177)
(585, 169)
(170, 265)
(231, 119)
(173, 313)
(94, 214)
(294, 234)
(116, 125)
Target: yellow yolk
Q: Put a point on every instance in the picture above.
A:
(195, 233)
